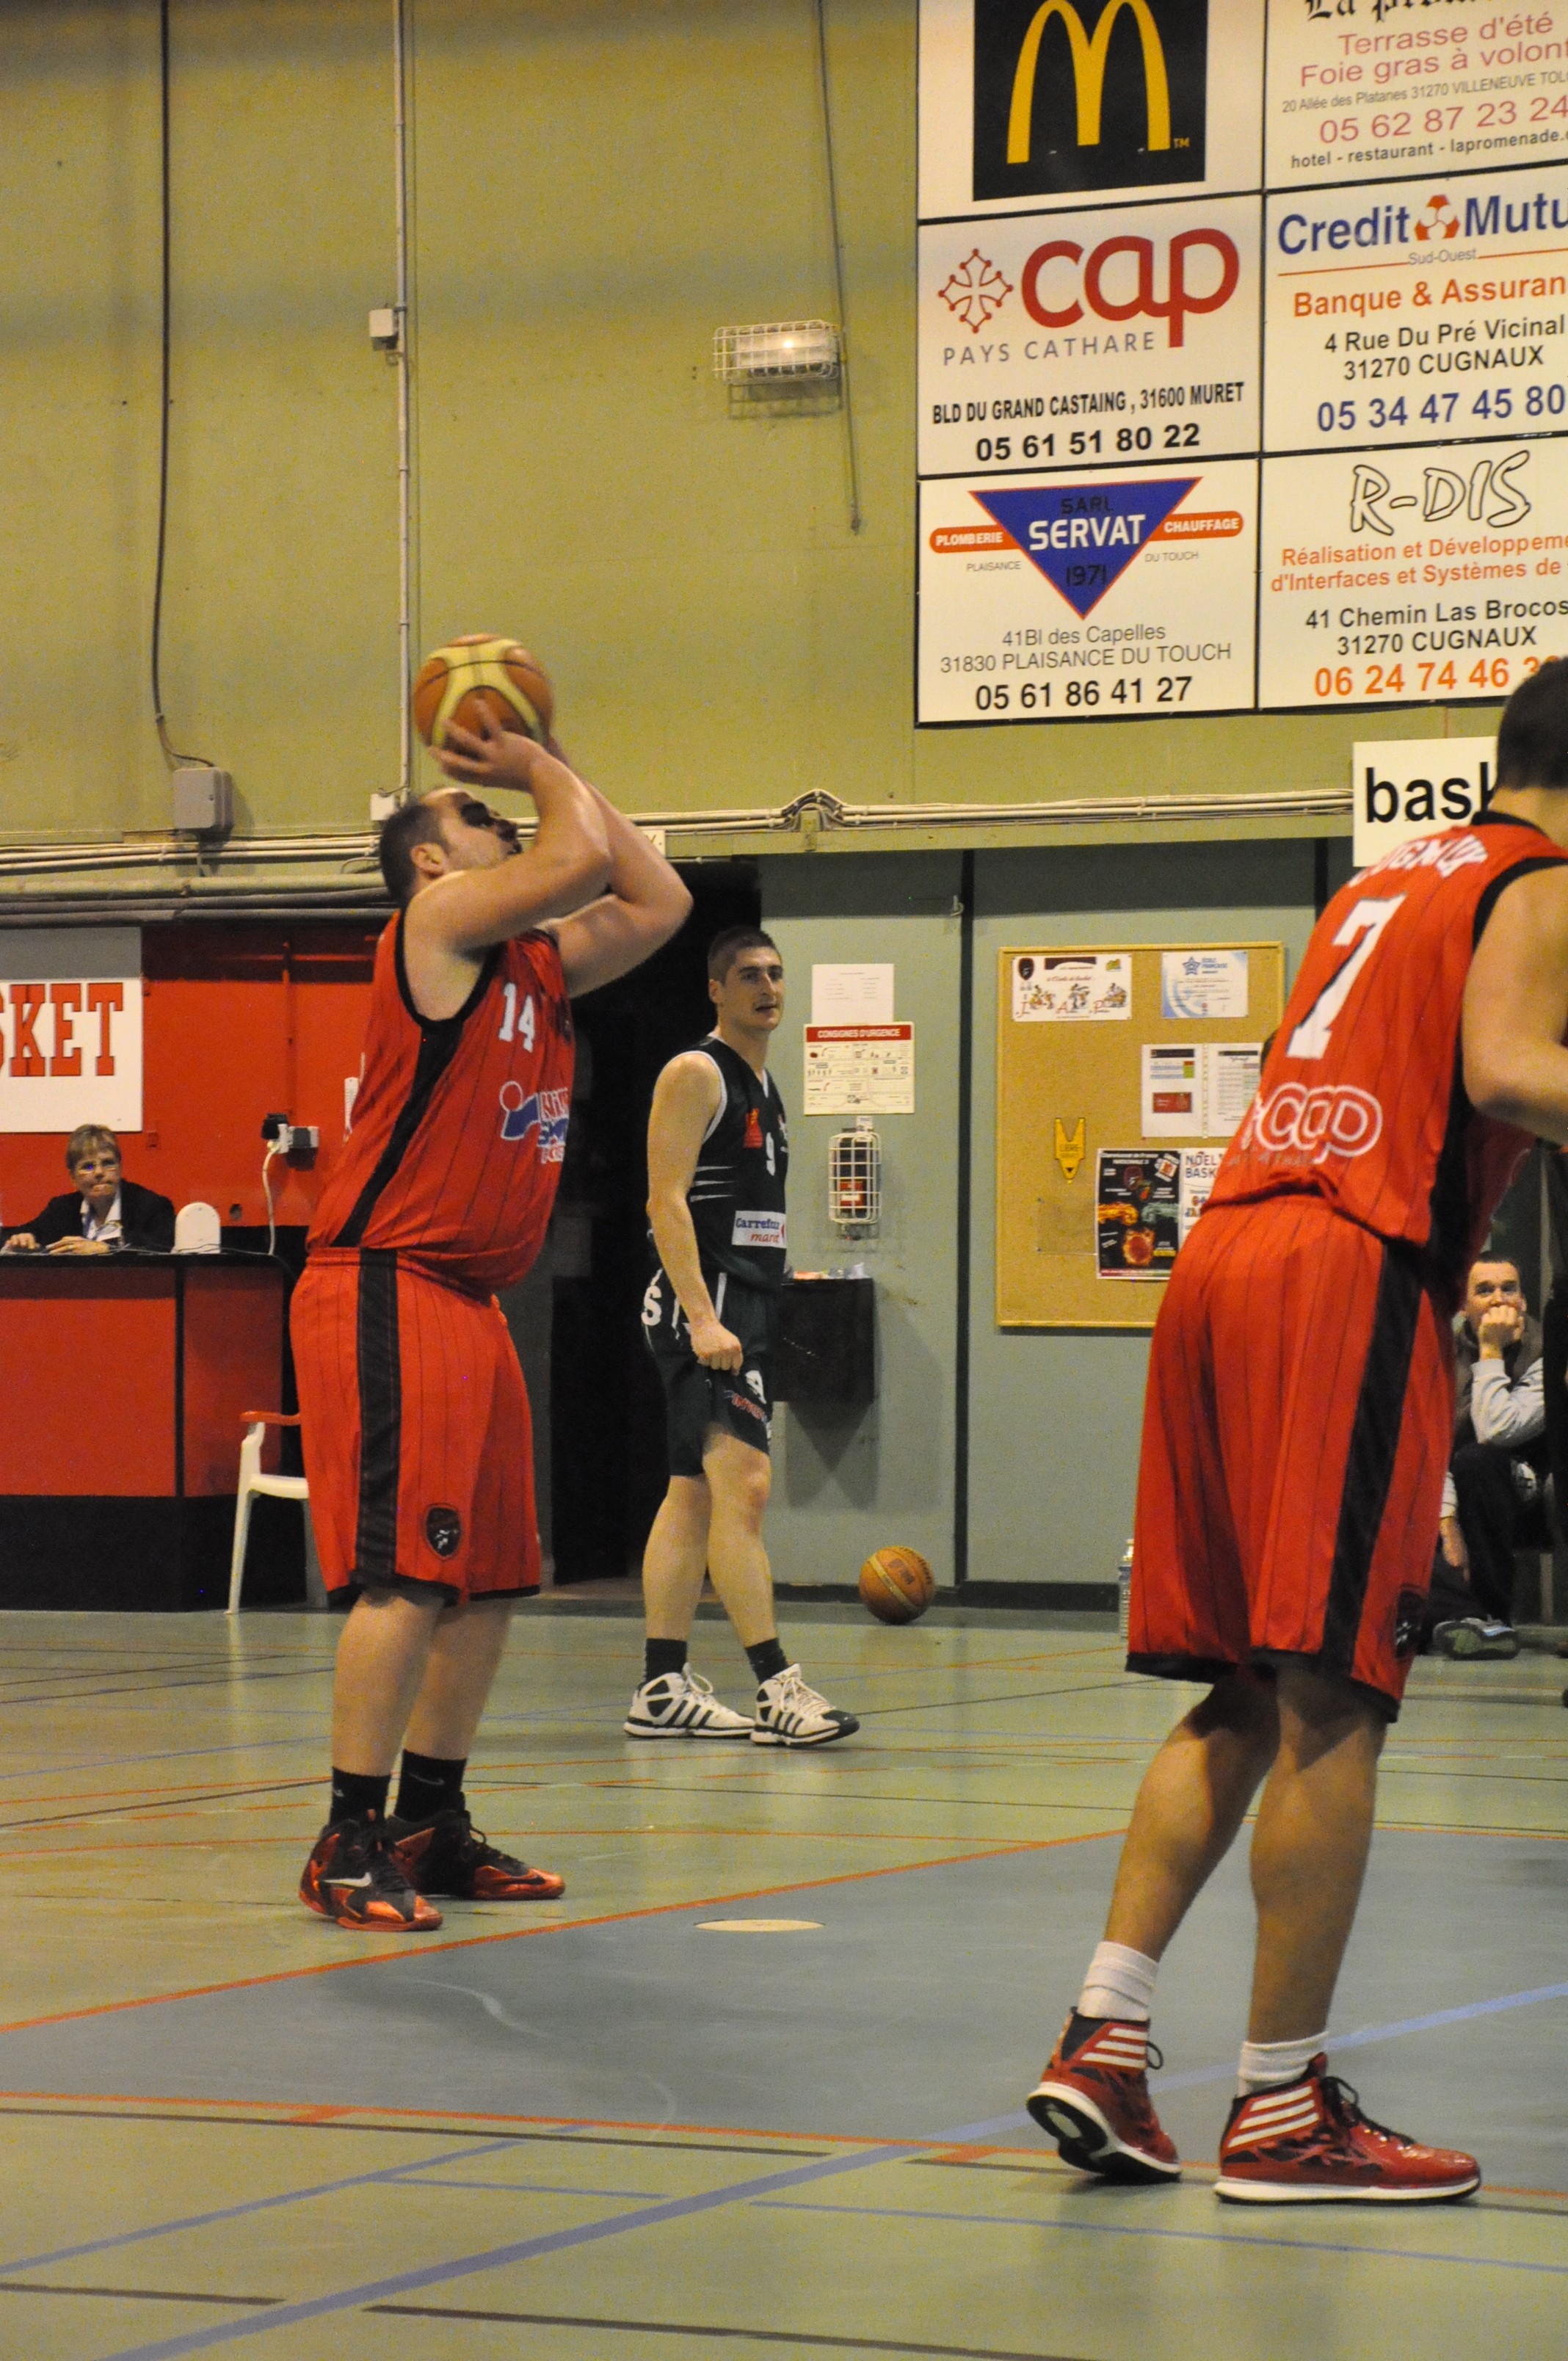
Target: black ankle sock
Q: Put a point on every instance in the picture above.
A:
(358, 1796)
(663, 1656)
(429, 1785)
(766, 1659)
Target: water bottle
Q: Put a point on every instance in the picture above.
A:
(1124, 1589)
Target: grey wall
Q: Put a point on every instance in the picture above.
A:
(1053, 1417)
(845, 1484)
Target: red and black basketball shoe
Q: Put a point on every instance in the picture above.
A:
(1093, 2099)
(1308, 2143)
(354, 1875)
(448, 1856)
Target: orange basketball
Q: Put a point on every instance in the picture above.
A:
(897, 1585)
(482, 673)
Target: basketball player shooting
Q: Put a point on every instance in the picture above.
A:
(416, 1428)
(717, 1160)
(1295, 1432)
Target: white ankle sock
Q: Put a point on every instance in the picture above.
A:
(1120, 1983)
(1265, 2064)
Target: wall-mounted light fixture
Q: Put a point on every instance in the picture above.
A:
(773, 351)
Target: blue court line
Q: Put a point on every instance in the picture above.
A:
(1371, 2033)
(1185, 2237)
(741, 2192)
(519, 2250)
(392, 2172)
(517, 2188)
(172, 1754)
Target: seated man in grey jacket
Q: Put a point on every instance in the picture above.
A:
(1497, 1501)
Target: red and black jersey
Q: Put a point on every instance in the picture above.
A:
(1361, 1097)
(460, 1123)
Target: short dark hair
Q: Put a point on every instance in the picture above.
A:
(1533, 737)
(415, 822)
(88, 1139)
(726, 949)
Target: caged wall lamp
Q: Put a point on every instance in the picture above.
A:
(773, 351)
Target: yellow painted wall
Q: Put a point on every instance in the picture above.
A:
(597, 188)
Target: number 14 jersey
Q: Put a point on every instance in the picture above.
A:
(1362, 1096)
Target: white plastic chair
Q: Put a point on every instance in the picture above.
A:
(197, 1229)
(279, 1488)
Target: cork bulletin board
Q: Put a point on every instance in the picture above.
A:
(1121, 1072)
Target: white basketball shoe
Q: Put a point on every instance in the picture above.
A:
(791, 1714)
(681, 1705)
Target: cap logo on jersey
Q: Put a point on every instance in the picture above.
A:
(546, 1113)
(754, 1129)
(1333, 1120)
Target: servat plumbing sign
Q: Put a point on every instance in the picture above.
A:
(1395, 316)
(1407, 576)
(1102, 596)
(1060, 340)
(1359, 85)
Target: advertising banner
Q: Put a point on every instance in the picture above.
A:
(1401, 90)
(1141, 321)
(1409, 575)
(1403, 788)
(71, 1028)
(1104, 595)
(1392, 316)
(1026, 108)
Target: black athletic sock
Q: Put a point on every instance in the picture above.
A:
(358, 1796)
(766, 1659)
(663, 1656)
(428, 1785)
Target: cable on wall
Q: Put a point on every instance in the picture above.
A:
(170, 755)
(856, 519)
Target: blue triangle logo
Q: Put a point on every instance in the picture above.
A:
(1084, 536)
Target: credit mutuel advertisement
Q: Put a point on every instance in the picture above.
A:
(1363, 86)
(1398, 576)
(1399, 315)
(1103, 595)
(1141, 321)
(1024, 106)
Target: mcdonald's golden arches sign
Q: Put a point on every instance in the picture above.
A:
(1074, 94)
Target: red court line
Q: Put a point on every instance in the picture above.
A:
(553, 1927)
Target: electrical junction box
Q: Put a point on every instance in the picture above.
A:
(203, 799)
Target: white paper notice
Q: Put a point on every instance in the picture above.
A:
(1094, 596)
(1198, 1167)
(1203, 984)
(1172, 1090)
(859, 1069)
(1072, 987)
(1230, 1081)
(852, 994)
(1035, 331)
(1406, 575)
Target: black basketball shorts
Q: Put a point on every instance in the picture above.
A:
(697, 1398)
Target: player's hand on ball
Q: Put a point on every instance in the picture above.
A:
(714, 1345)
(489, 756)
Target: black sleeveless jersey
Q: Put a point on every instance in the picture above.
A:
(737, 1195)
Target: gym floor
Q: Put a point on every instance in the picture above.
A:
(608, 2126)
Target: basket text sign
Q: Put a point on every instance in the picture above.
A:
(70, 1030)
(1405, 788)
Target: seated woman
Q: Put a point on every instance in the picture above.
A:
(103, 1211)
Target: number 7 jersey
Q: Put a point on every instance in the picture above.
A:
(1361, 1097)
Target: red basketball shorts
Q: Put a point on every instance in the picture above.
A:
(419, 1446)
(1298, 1420)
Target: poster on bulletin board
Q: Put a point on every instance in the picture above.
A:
(1122, 1073)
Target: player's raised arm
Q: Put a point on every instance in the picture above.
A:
(1516, 1008)
(645, 905)
(467, 907)
(685, 1100)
